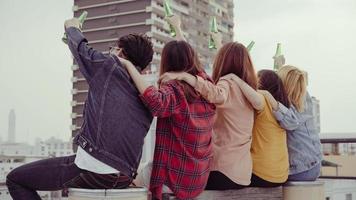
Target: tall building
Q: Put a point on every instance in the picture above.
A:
(12, 127)
(109, 19)
(10, 162)
(316, 113)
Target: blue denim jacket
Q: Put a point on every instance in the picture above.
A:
(303, 141)
(115, 119)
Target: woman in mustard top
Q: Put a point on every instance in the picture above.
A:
(269, 140)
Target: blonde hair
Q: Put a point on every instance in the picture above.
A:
(294, 81)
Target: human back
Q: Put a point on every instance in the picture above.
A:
(235, 115)
(184, 126)
(269, 142)
(304, 145)
(115, 119)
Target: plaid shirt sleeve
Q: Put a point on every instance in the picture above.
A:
(165, 101)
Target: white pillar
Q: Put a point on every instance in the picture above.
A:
(304, 190)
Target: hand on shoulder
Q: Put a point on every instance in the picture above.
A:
(168, 76)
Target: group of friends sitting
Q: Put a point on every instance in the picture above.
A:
(235, 129)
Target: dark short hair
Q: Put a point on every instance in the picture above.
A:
(137, 48)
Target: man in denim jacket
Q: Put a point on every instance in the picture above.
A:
(115, 123)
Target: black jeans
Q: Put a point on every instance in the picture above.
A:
(55, 174)
(259, 182)
(218, 181)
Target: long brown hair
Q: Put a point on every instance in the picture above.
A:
(179, 56)
(270, 81)
(234, 58)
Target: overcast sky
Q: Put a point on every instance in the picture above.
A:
(316, 35)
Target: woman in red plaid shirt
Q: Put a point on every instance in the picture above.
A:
(184, 125)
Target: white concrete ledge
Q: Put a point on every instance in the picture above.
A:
(112, 194)
(249, 193)
(290, 191)
(297, 190)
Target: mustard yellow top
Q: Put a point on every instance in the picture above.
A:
(269, 147)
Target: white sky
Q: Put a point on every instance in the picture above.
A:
(316, 35)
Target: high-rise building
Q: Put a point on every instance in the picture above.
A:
(12, 127)
(109, 19)
(316, 113)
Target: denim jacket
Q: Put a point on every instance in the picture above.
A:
(115, 119)
(304, 147)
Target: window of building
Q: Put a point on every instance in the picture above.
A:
(184, 4)
(348, 197)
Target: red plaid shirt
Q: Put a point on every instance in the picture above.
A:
(183, 140)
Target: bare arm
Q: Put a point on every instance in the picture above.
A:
(256, 99)
(140, 82)
(175, 21)
(162, 102)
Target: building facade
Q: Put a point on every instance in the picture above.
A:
(109, 19)
(12, 127)
(57, 147)
(13, 155)
(316, 113)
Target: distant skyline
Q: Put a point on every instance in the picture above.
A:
(316, 35)
(11, 129)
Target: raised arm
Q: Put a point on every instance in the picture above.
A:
(217, 37)
(88, 59)
(256, 99)
(175, 21)
(216, 94)
(139, 80)
(162, 102)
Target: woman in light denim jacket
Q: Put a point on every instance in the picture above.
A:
(304, 146)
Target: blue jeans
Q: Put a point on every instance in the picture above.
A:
(56, 174)
(309, 175)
